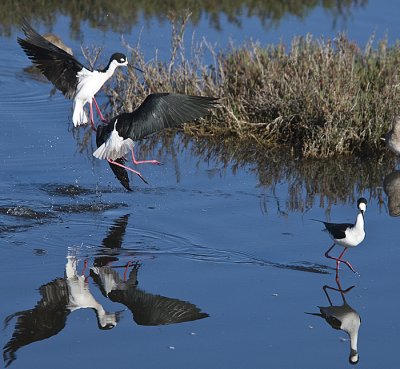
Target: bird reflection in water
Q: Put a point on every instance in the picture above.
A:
(391, 186)
(62, 296)
(342, 317)
(147, 309)
(59, 298)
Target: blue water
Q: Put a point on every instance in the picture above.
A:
(200, 232)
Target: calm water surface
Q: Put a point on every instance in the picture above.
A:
(230, 256)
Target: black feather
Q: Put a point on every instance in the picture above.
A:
(57, 65)
(337, 230)
(46, 319)
(120, 173)
(159, 111)
(148, 309)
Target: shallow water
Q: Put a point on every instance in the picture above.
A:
(211, 235)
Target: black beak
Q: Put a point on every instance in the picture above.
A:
(133, 67)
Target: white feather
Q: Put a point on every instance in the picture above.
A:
(115, 147)
(79, 116)
(89, 83)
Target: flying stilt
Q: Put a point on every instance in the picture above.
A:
(346, 235)
(158, 111)
(72, 78)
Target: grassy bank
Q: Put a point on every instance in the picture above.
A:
(316, 98)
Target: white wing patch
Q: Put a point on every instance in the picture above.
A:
(115, 147)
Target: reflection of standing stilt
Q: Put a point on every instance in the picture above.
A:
(342, 317)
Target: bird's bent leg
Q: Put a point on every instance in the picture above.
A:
(104, 120)
(136, 162)
(128, 264)
(339, 260)
(327, 294)
(91, 116)
(127, 168)
(345, 261)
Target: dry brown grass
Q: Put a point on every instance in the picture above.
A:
(318, 98)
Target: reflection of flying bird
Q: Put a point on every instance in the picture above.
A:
(146, 308)
(392, 138)
(112, 243)
(391, 186)
(158, 111)
(342, 317)
(346, 234)
(73, 79)
(46, 319)
(59, 298)
(79, 296)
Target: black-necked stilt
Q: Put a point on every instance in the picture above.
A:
(147, 309)
(158, 111)
(392, 138)
(346, 234)
(73, 79)
(342, 317)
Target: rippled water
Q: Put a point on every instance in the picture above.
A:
(206, 244)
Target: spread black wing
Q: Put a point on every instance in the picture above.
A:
(116, 233)
(337, 230)
(46, 319)
(58, 66)
(163, 110)
(148, 309)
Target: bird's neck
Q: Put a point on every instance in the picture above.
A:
(353, 340)
(109, 70)
(359, 221)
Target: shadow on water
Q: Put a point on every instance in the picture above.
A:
(342, 317)
(121, 15)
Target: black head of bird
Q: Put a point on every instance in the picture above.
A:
(118, 59)
(362, 204)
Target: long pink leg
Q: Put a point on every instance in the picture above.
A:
(128, 264)
(104, 120)
(339, 259)
(84, 267)
(127, 168)
(91, 116)
(136, 162)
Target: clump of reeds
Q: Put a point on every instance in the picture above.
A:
(318, 98)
